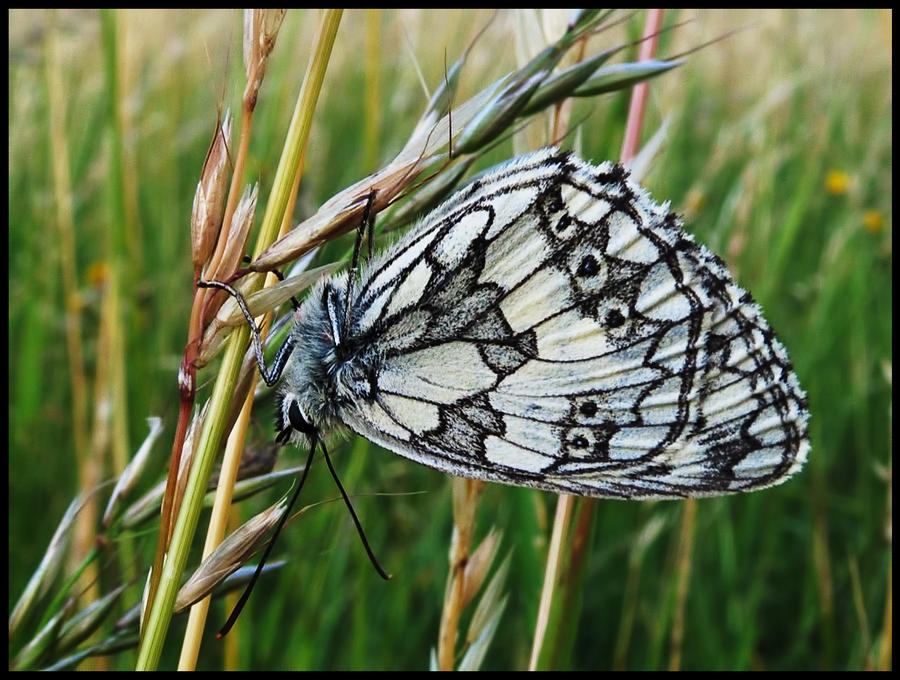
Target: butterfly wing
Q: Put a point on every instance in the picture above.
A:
(552, 326)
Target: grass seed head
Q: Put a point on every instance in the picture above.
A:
(236, 239)
(261, 28)
(229, 556)
(209, 199)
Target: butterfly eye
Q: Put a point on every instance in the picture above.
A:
(295, 416)
(297, 421)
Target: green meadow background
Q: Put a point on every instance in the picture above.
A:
(778, 152)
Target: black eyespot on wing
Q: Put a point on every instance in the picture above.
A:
(615, 319)
(589, 409)
(588, 267)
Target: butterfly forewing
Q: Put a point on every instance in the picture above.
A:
(552, 326)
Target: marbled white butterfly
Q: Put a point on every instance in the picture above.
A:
(550, 326)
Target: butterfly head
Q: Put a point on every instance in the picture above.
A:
(325, 372)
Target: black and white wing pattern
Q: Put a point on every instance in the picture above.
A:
(552, 326)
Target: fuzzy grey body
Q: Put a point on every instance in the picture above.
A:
(552, 326)
(326, 373)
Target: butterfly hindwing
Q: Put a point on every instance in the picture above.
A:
(552, 326)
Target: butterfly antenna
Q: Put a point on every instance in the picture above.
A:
(362, 535)
(229, 624)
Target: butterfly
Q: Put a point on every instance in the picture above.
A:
(550, 326)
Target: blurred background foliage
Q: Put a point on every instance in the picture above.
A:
(778, 152)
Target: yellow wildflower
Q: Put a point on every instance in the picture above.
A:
(97, 273)
(873, 221)
(837, 182)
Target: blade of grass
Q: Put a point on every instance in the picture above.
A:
(298, 133)
(218, 523)
(260, 33)
(683, 574)
(84, 534)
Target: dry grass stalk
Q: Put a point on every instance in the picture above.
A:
(48, 569)
(62, 188)
(229, 559)
(630, 146)
(465, 496)
(261, 28)
(564, 504)
(132, 472)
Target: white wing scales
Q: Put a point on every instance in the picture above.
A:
(552, 326)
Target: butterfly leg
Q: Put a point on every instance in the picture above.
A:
(269, 375)
(369, 222)
(366, 226)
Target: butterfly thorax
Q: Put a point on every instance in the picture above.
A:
(327, 372)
